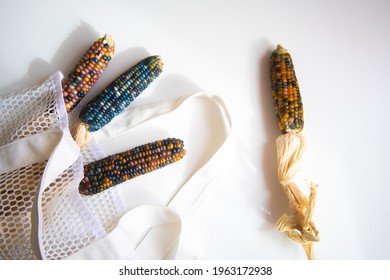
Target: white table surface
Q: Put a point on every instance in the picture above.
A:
(340, 51)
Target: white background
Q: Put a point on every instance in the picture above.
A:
(341, 55)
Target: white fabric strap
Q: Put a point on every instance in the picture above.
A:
(64, 155)
(146, 232)
(188, 198)
(26, 151)
(152, 232)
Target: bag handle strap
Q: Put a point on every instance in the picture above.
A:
(188, 198)
(150, 231)
(145, 232)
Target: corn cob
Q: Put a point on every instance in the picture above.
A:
(115, 169)
(116, 97)
(285, 92)
(290, 147)
(87, 71)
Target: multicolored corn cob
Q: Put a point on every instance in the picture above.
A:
(120, 93)
(290, 146)
(115, 98)
(87, 71)
(115, 169)
(285, 92)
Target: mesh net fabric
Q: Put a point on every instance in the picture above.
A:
(18, 120)
(17, 189)
(68, 222)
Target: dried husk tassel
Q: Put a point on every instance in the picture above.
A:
(290, 147)
(80, 134)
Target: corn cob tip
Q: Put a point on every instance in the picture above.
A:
(81, 135)
(158, 59)
(280, 49)
(108, 39)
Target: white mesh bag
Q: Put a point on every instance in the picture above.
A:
(42, 215)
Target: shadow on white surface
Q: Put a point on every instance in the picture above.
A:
(268, 196)
(73, 47)
(37, 72)
(172, 86)
(65, 58)
(277, 202)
